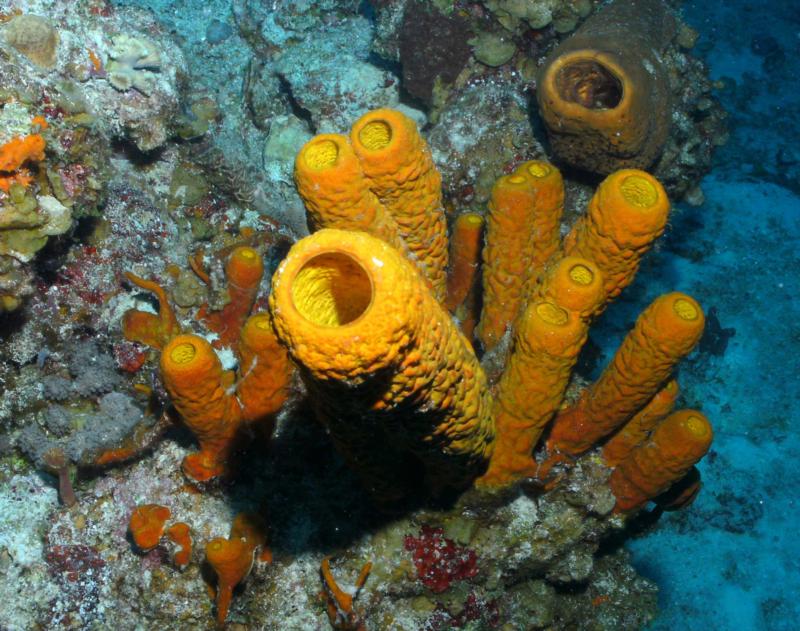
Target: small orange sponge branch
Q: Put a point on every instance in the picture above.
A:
(547, 342)
(507, 256)
(243, 271)
(374, 344)
(663, 334)
(626, 214)
(232, 560)
(398, 164)
(181, 535)
(336, 194)
(146, 525)
(148, 328)
(264, 368)
(465, 258)
(676, 445)
(636, 430)
(14, 154)
(341, 612)
(199, 390)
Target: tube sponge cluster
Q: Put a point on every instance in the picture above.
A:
(362, 308)
(362, 315)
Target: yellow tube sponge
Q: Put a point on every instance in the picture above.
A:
(547, 342)
(462, 281)
(335, 192)
(198, 387)
(374, 344)
(677, 444)
(626, 214)
(636, 431)
(548, 209)
(398, 163)
(507, 256)
(573, 283)
(664, 333)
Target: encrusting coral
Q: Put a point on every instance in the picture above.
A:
(132, 62)
(603, 93)
(28, 217)
(35, 37)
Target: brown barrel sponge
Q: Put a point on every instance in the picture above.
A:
(603, 94)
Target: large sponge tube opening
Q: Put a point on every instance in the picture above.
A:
(332, 289)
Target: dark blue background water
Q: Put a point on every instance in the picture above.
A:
(731, 560)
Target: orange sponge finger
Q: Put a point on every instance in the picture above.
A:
(664, 333)
(636, 430)
(507, 256)
(547, 342)
(573, 283)
(465, 255)
(148, 328)
(194, 379)
(548, 209)
(265, 370)
(677, 444)
(627, 213)
(243, 271)
(335, 192)
(232, 560)
(398, 164)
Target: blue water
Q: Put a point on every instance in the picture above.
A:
(730, 561)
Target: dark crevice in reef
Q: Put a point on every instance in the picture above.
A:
(298, 110)
(131, 153)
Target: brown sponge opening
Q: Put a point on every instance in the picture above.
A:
(589, 84)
